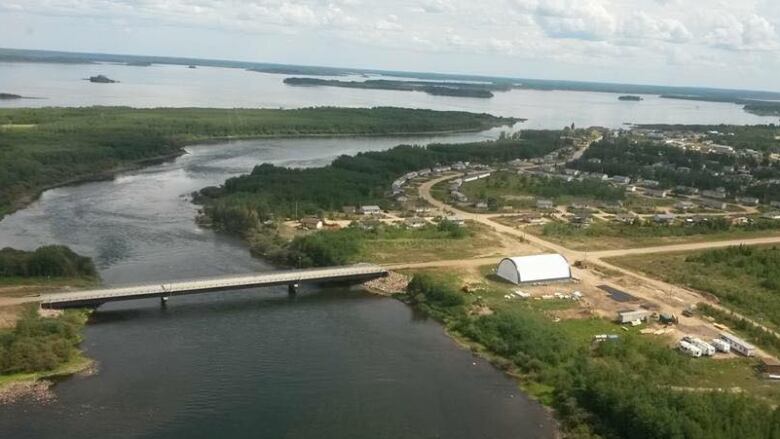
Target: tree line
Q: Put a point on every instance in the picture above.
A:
(271, 192)
(46, 261)
(619, 388)
(48, 146)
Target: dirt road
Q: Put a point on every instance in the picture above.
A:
(672, 298)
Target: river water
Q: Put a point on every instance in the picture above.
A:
(329, 363)
(178, 86)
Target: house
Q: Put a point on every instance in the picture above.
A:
(626, 218)
(748, 201)
(716, 194)
(685, 206)
(370, 210)
(775, 204)
(720, 149)
(415, 222)
(458, 221)
(536, 268)
(686, 190)
(658, 193)
(311, 223)
(545, 204)
(481, 205)
(648, 183)
(620, 179)
(664, 218)
(581, 220)
(459, 196)
(349, 210)
(771, 215)
(714, 204)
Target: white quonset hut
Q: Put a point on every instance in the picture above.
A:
(535, 268)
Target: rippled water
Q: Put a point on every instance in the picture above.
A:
(329, 363)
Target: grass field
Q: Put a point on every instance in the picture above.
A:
(744, 282)
(602, 235)
(481, 242)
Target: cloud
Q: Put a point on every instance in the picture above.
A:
(654, 34)
(642, 26)
(750, 33)
(579, 19)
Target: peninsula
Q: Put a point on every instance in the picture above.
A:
(103, 140)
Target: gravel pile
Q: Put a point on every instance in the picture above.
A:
(391, 284)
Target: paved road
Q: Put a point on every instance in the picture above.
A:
(284, 277)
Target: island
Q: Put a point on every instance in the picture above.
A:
(192, 67)
(138, 63)
(458, 89)
(9, 96)
(630, 98)
(101, 79)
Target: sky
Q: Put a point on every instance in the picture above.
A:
(717, 43)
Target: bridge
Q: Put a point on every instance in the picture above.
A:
(291, 278)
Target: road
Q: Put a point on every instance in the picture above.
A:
(673, 296)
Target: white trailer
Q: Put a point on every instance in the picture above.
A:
(721, 345)
(690, 349)
(706, 348)
(738, 345)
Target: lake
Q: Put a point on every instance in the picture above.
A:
(178, 86)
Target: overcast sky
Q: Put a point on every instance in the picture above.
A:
(725, 43)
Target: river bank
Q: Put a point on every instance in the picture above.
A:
(60, 146)
(42, 348)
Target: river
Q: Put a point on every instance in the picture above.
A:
(178, 86)
(329, 363)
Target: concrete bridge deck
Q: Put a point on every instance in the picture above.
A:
(292, 278)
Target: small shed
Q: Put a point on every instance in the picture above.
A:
(629, 316)
(311, 223)
(370, 210)
(770, 366)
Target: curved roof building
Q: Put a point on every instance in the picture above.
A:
(535, 268)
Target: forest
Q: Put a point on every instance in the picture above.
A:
(272, 192)
(39, 344)
(46, 261)
(45, 147)
(619, 388)
(457, 89)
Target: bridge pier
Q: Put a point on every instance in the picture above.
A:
(292, 289)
